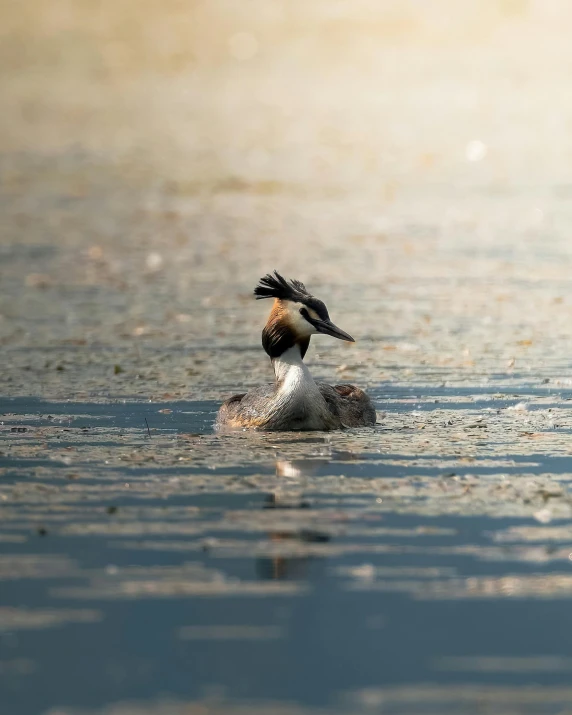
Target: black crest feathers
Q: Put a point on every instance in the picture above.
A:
(275, 286)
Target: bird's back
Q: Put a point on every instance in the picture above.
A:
(345, 406)
(351, 404)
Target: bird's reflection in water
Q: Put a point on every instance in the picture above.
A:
(295, 566)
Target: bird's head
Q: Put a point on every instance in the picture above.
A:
(295, 316)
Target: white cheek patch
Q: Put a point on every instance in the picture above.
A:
(302, 327)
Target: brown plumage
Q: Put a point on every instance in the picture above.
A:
(280, 333)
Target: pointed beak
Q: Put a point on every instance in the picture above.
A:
(328, 328)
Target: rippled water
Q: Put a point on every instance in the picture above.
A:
(410, 162)
(351, 571)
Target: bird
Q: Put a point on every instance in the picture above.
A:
(295, 401)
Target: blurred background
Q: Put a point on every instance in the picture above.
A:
(409, 160)
(274, 97)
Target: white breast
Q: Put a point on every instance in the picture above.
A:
(299, 402)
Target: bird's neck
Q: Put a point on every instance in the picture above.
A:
(290, 372)
(297, 402)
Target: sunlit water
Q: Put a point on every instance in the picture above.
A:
(410, 162)
(344, 571)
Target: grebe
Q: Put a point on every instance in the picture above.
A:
(295, 401)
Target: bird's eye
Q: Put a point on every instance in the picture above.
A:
(304, 313)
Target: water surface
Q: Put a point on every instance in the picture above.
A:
(341, 571)
(410, 162)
